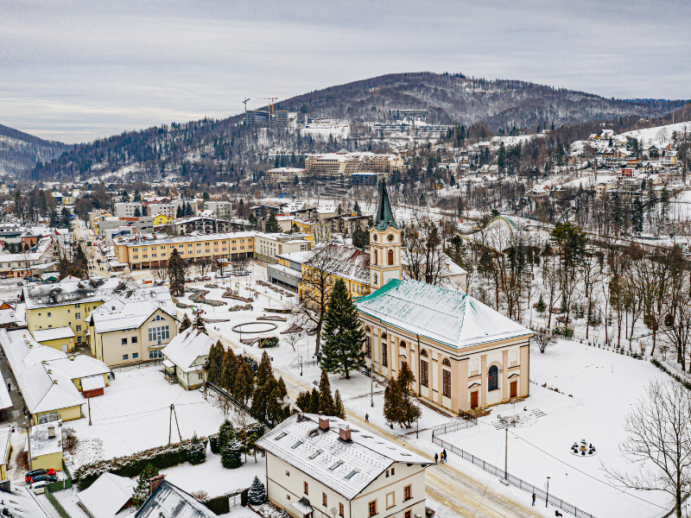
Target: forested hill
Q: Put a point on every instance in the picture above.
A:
(456, 99)
(212, 150)
(20, 151)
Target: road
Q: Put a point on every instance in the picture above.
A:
(93, 252)
(456, 490)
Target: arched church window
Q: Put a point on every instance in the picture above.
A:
(424, 352)
(446, 362)
(368, 343)
(384, 351)
(493, 378)
(390, 257)
(374, 256)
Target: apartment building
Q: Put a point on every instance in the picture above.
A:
(222, 209)
(201, 224)
(346, 163)
(165, 209)
(153, 251)
(127, 209)
(283, 175)
(268, 246)
(320, 466)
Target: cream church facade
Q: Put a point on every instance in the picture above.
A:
(464, 355)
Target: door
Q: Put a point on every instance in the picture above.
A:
(514, 389)
(474, 399)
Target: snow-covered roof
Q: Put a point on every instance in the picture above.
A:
(45, 439)
(446, 316)
(345, 467)
(131, 310)
(107, 495)
(9, 316)
(24, 503)
(44, 374)
(186, 347)
(170, 501)
(93, 383)
(55, 333)
(72, 291)
(345, 261)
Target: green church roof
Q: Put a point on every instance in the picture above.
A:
(383, 219)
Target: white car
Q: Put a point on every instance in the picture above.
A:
(39, 487)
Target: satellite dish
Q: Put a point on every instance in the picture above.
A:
(333, 511)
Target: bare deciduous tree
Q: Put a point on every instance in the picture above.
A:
(659, 442)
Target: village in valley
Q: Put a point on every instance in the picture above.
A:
(310, 312)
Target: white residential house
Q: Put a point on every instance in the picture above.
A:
(106, 497)
(320, 467)
(185, 357)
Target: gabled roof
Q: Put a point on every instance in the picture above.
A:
(383, 218)
(446, 316)
(169, 501)
(21, 501)
(186, 347)
(107, 496)
(131, 310)
(345, 467)
(72, 291)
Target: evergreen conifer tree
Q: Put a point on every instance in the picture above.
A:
(199, 323)
(185, 324)
(231, 455)
(326, 400)
(275, 408)
(314, 402)
(398, 405)
(340, 409)
(343, 335)
(226, 434)
(356, 208)
(244, 383)
(271, 226)
(228, 371)
(304, 402)
(142, 490)
(196, 454)
(257, 492)
(541, 307)
(176, 274)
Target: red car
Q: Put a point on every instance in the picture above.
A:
(28, 478)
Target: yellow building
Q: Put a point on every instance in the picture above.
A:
(132, 327)
(61, 338)
(315, 230)
(162, 220)
(67, 304)
(140, 252)
(5, 450)
(45, 446)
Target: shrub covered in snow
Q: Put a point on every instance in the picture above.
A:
(161, 457)
(231, 455)
(197, 451)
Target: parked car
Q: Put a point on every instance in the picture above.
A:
(44, 478)
(39, 487)
(35, 473)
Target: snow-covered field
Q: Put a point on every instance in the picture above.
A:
(134, 415)
(604, 386)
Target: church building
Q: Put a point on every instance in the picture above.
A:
(464, 355)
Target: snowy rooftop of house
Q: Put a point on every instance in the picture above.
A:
(5, 399)
(130, 310)
(137, 241)
(34, 255)
(186, 347)
(448, 317)
(71, 291)
(22, 502)
(345, 261)
(55, 333)
(169, 501)
(44, 374)
(346, 467)
(45, 438)
(107, 496)
(9, 316)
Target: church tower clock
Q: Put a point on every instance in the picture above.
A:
(384, 244)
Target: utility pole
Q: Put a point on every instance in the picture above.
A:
(547, 499)
(371, 380)
(506, 454)
(88, 403)
(245, 103)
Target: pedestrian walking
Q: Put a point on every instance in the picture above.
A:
(533, 499)
(367, 418)
(436, 457)
(9, 387)
(445, 458)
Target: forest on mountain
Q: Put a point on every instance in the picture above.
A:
(20, 151)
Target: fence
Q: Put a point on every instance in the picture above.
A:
(230, 398)
(139, 365)
(520, 484)
(58, 506)
(466, 422)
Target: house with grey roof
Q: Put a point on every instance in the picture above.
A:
(169, 501)
(321, 466)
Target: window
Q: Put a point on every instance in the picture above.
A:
(390, 254)
(333, 467)
(135, 339)
(157, 334)
(79, 339)
(351, 474)
(446, 386)
(307, 488)
(407, 492)
(393, 471)
(384, 351)
(125, 357)
(123, 341)
(341, 510)
(493, 378)
(155, 355)
(76, 306)
(48, 315)
(79, 329)
(287, 473)
(390, 500)
(408, 514)
(372, 508)
(424, 374)
(135, 356)
(78, 316)
(368, 346)
(446, 362)
(324, 500)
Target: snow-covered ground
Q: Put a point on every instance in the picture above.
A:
(134, 415)
(604, 386)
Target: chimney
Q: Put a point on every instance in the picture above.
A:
(154, 482)
(323, 424)
(344, 433)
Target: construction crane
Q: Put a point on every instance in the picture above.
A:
(271, 105)
(245, 103)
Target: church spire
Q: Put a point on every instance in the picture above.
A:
(383, 219)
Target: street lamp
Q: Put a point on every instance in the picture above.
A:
(547, 499)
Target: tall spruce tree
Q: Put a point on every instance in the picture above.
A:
(244, 383)
(344, 337)
(398, 403)
(185, 324)
(143, 489)
(271, 226)
(340, 409)
(176, 274)
(326, 400)
(228, 371)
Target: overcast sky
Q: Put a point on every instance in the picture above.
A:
(77, 70)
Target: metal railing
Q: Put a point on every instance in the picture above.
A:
(519, 483)
(452, 427)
